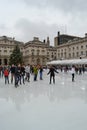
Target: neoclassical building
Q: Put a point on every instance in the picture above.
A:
(38, 52)
(72, 49)
(7, 45)
(41, 52)
(34, 52)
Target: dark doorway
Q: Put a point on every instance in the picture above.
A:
(0, 61)
(5, 61)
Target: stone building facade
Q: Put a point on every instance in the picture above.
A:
(73, 49)
(7, 45)
(38, 52)
(63, 38)
(34, 52)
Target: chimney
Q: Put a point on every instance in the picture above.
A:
(58, 33)
(48, 41)
(44, 41)
(58, 38)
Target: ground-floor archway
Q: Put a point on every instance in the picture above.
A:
(0, 61)
(5, 61)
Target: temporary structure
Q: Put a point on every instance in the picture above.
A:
(68, 62)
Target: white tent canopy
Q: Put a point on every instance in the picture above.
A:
(68, 62)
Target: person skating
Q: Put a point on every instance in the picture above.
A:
(73, 73)
(17, 75)
(27, 71)
(35, 72)
(6, 75)
(41, 72)
(12, 72)
(52, 71)
(23, 73)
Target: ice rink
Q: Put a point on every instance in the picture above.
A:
(43, 106)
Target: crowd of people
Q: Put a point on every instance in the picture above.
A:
(21, 73)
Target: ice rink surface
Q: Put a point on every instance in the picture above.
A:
(43, 106)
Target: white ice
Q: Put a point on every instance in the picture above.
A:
(43, 106)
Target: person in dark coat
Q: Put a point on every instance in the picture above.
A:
(17, 75)
(12, 70)
(23, 73)
(52, 71)
(41, 72)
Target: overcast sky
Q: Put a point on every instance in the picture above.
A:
(25, 19)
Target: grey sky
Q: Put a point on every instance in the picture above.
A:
(25, 19)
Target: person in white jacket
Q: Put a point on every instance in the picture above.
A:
(27, 71)
(73, 73)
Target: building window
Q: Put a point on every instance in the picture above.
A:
(5, 41)
(69, 55)
(73, 54)
(81, 47)
(5, 51)
(73, 48)
(86, 53)
(58, 55)
(77, 54)
(48, 59)
(69, 49)
(32, 50)
(43, 51)
(62, 55)
(86, 46)
(52, 56)
(65, 54)
(55, 58)
(81, 52)
(32, 53)
(77, 48)
(38, 50)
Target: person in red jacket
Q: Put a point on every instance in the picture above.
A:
(6, 75)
